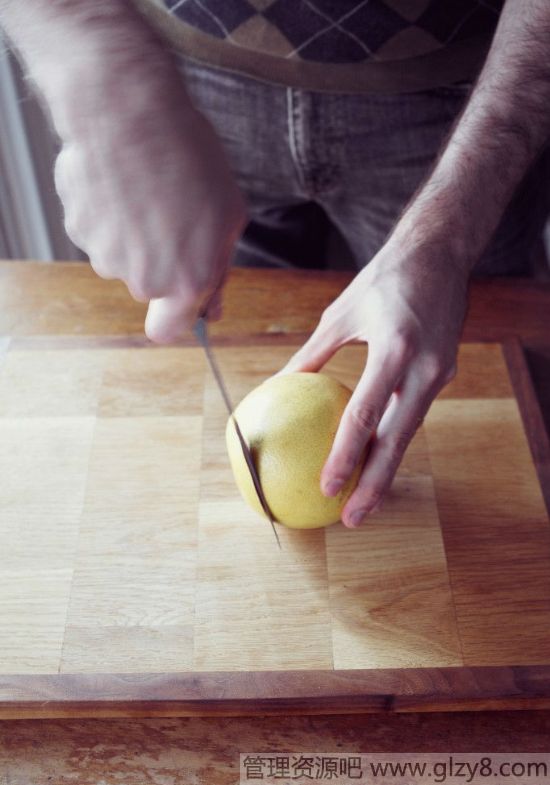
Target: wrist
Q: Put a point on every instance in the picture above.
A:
(105, 86)
(436, 229)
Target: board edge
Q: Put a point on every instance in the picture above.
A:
(530, 411)
(227, 693)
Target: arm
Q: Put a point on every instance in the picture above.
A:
(502, 129)
(66, 44)
(409, 302)
(145, 186)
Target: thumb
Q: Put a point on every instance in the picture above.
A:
(169, 317)
(316, 351)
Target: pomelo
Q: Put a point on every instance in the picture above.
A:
(289, 423)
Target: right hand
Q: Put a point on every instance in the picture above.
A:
(149, 196)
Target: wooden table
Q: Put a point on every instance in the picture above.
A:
(66, 299)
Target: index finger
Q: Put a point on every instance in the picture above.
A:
(364, 411)
(398, 427)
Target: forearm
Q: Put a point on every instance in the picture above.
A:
(78, 51)
(503, 128)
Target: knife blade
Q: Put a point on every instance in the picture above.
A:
(201, 332)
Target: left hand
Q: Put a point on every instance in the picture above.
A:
(409, 307)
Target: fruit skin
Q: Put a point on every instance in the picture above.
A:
(289, 423)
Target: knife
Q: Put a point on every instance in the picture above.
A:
(201, 331)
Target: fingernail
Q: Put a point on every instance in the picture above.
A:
(332, 487)
(357, 517)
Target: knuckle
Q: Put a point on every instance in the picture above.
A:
(397, 443)
(334, 324)
(375, 494)
(433, 369)
(73, 227)
(327, 317)
(350, 460)
(402, 344)
(451, 374)
(60, 171)
(63, 172)
(365, 417)
(60, 184)
(101, 267)
(101, 257)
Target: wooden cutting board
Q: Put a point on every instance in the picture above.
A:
(135, 581)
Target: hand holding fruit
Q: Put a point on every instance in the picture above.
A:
(409, 306)
(289, 423)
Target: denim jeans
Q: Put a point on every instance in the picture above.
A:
(311, 161)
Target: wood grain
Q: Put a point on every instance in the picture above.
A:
(43, 464)
(165, 382)
(495, 528)
(132, 595)
(151, 554)
(385, 617)
(68, 298)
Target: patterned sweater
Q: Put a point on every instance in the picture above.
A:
(335, 45)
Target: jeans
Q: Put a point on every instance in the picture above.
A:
(309, 162)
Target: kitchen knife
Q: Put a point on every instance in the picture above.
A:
(201, 331)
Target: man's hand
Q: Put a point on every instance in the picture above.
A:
(410, 310)
(143, 179)
(150, 198)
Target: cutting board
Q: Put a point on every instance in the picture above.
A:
(135, 581)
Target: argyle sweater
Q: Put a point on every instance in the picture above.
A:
(335, 45)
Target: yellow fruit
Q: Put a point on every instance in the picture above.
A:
(289, 423)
